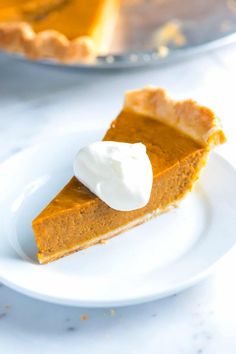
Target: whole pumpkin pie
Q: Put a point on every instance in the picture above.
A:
(178, 137)
(65, 30)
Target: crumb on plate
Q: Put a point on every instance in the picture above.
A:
(84, 317)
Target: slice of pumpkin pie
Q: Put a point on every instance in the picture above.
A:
(178, 137)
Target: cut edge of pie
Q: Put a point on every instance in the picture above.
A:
(197, 122)
(20, 37)
(43, 259)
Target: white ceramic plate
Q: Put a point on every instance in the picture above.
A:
(151, 261)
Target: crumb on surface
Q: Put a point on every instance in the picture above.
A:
(112, 312)
(163, 51)
(2, 315)
(7, 306)
(84, 317)
(71, 329)
(170, 33)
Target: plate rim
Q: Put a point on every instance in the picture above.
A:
(117, 303)
(124, 61)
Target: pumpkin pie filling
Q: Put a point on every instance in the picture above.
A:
(77, 219)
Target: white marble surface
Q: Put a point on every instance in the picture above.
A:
(37, 102)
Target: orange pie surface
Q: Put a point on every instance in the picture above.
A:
(71, 18)
(77, 219)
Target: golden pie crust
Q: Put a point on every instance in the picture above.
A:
(198, 122)
(20, 38)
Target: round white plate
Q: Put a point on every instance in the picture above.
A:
(151, 261)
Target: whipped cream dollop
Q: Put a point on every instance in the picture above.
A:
(120, 174)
